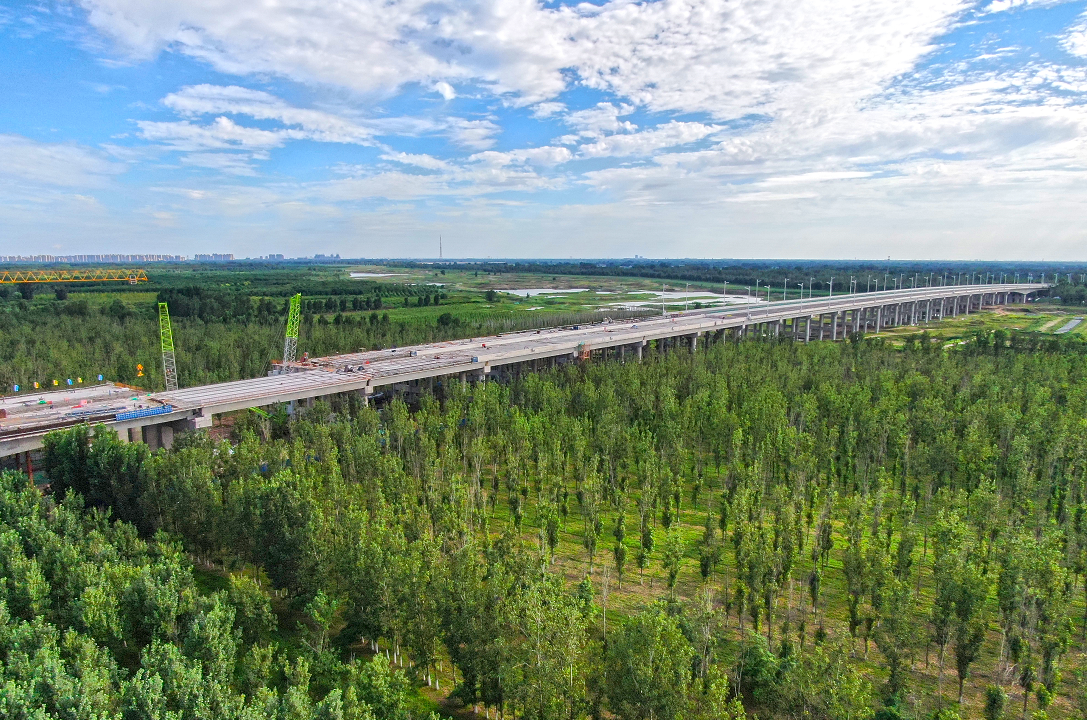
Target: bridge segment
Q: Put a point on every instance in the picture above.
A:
(155, 417)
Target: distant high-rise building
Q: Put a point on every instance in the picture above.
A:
(214, 257)
(99, 259)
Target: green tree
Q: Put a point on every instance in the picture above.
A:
(672, 557)
(995, 702)
(648, 668)
(896, 635)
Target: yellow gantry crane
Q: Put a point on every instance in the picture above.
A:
(290, 345)
(12, 277)
(166, 333)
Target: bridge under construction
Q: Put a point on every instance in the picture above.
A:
(154, 418)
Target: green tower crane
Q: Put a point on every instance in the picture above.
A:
(290, 346)
(166, 333)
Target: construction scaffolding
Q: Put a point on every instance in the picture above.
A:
(166, 333)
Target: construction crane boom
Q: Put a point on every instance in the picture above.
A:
(290, 345)
(11, 277)
(169, 363)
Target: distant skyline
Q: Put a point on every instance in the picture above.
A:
(938, 129)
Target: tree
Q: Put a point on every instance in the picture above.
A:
(995, 702)
(947, 550)
(716, 701)
(970, 595)
(709, 551)
(620, 561)
(672, 557)
(253, 616)
(854, 566)
(65, 460)
(648, 668)
(896, 634)
(646, 546)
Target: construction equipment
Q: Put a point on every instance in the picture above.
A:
(12, 277)
(290, 345)
(166, 332)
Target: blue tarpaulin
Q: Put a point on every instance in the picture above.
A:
(145, 412)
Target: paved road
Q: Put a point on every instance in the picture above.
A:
(1069, 326)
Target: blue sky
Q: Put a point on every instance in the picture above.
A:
(513, 128)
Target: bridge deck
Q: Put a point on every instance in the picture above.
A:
(366, 371)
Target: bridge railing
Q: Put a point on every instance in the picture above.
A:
(879, 297)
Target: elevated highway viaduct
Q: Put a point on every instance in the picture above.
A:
(154, 418)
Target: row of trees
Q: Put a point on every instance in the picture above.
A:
(828, 524)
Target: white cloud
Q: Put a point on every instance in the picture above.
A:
(766, 57)
(546, 156)
(197, 100)
(367, 45)
(221, 134)
(1005, 5)
(716, 56)
(229, 163)
(427, 162)
(28, 161)
(602, 119)
(547, 109)
(765, 196)
(648, 141)
(474, 181)
(445, 90)
(705, 104)
(474, 134)
(1075, 40)
(815, 177)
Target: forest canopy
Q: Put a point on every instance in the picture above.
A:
(824, 531)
